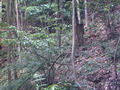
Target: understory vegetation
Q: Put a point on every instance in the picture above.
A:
(59, 45)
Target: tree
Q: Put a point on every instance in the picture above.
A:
(86, 13)
(8, 8)
(74, 25)
(0, 11)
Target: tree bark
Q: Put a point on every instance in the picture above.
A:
(17, 17)
(73, 43)
(86, 13)
(0, 11)
(59, 31)
(8, 10)
(18, 27)
(79, 13)
(10, 5)
(9, 70)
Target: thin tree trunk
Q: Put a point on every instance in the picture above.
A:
(24, 19)
(21, 17)
(79, 26)
(13, 12)
(8, 57)
(79, 13)
(0, 11)
(59, 31)
(73, 43)
(86, 14)
(17, 17)
(79, 16)
(9, 78)
(18, 27)
(8, 11)
(9, 70)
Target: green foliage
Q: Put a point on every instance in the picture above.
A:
(61, 86)
(39, 45)
(38, 78)
(52, 87)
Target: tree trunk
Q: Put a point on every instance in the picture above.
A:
(73, 43)
(13, 13)
(79, 13)
(59, 31)
(9, 70)
(8, 10)
(86, 13)
(9, 78)
(0, 11)
(17, 17)
(79, 26)
(18, 27)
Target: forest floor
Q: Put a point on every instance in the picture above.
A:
(94, 62)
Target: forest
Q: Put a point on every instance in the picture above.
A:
(59, 44)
